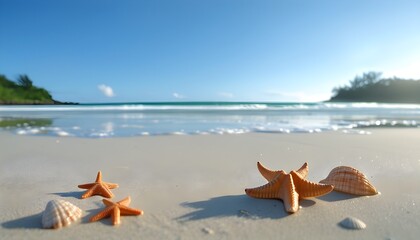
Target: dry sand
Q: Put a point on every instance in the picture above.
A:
(192, 187)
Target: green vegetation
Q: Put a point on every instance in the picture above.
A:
(18, 122)
(372, 88)
(23, 92)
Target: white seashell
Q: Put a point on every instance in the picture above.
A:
(60, 213)
(207, 230)
(353, 223)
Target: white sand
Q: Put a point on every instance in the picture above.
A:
(192, 187)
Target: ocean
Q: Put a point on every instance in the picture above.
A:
(179, 118)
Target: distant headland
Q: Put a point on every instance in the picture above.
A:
(23, 92)
(372, 88)
(369, 87)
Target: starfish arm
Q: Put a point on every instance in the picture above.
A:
(269, 190)
(116, 219)
(125, 202)
(268, 173)
(103, 214)
(90, 192)
(303, 171)
(99, 177)
(289, 195)
(107, 202)
(130, 211)
(86, 186)
(104, 191)
(307, 189)
(110, 185)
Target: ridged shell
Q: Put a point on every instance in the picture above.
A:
(350, 180)
(353, 223)
(60, 213)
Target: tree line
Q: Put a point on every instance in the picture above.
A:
(370, 87)
(23, 92)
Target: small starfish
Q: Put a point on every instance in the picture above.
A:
(98, 188)
(288, 187)
(115, 210)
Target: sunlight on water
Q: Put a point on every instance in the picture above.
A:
(121, 120)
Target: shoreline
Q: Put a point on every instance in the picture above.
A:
(193, 186)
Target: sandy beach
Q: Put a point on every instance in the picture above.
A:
(192, 187)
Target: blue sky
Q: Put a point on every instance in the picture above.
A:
(205, 50)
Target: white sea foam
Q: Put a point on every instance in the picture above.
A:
(204, 107)
(21, 132)
(100, 134)
(34, 131)
(192, 118)
(63, 134)
(132, 126)
(178, 133)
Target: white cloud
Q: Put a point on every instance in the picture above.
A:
(106, 90)
(226, 94)
(178, 96)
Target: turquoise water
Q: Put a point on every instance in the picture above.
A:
(136, 119)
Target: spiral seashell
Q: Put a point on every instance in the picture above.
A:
(60, 213)
(353, 223)
(349, 180)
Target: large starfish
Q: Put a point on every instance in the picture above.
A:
(98, 188)
(288, 187)
(115, 210)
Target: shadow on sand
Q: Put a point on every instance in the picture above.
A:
(238, 205)
(29, 222)
(92, 212)
(73, 194)
(34, 221)
(335, 196)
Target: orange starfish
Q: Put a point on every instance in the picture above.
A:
(98, 188)
(115, 210)
(288, 187)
